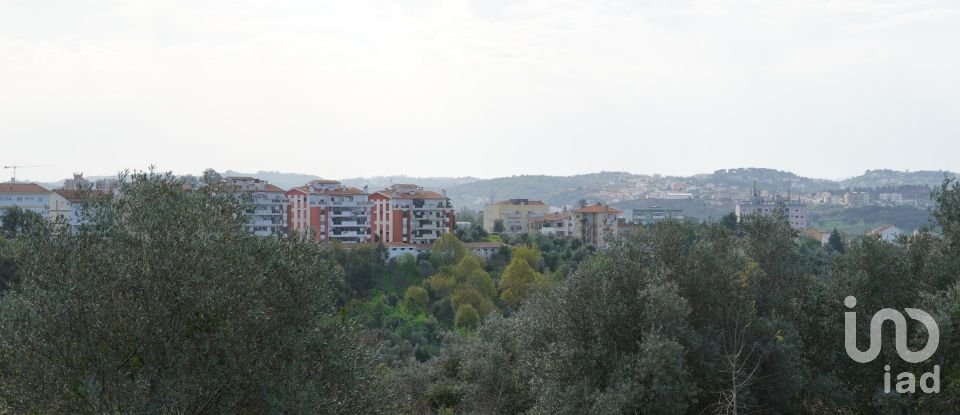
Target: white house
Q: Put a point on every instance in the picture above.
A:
(888, 233)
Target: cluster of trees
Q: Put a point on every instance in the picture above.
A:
(162, 304)
(711, 318)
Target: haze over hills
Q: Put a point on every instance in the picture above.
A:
(619, 187)
(713, 193)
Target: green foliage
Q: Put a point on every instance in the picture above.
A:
(469, 273)
(948, 210)
(362, 266)
(528, 254)
(416, 299)
(836, 242)
(520, 279)
(467, 317)
(8, 265)
(165, 305)
(467, 295)
(498, 226)
(447, 250)
(15, 220)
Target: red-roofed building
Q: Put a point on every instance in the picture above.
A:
(596, 224)
(269, 215)
(27, 196)
(406, 213)
(888, 233)
(556, 224)
(326, 210)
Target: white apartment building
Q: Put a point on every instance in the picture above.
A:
(555, 224)
(28, 196)
(796, 211)
(269, 214)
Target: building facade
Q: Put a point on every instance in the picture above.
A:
(326, 210)
(515, 214)
(796, 211)
(555, 224)
(654, 214)
(406, 213)
(270, 205)
(27, 196)
(596, 224)
(67, 205)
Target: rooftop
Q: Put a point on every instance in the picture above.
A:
(520, 202)
(597, 208)
(32, 188)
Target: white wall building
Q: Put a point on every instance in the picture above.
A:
(28, 196)
(269, 215)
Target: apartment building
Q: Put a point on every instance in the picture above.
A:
(406, 213)
(596, 224)
(269, 214)
(796, 211)
(515, 214)
(654, 214)
(326, 210)
(28, 196)
(67, 205)
(556, 224)
(856, 199)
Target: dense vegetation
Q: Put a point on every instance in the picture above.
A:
(857, 220)
(173, 309)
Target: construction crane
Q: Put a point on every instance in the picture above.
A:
(18, 166)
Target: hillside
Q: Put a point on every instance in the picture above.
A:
(880, 178)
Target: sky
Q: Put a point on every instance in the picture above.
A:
(482, 88)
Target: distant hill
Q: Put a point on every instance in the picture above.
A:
(766, 179)
(554, 190)
(715, 192)
(435, 183)
(283, 180)
(289, 180)
(881, 178)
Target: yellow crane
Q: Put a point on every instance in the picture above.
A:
(19, 166)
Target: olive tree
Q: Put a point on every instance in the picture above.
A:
(163, 304)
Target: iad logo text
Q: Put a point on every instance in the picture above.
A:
(906, 381)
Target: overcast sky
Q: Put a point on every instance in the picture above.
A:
(483, 88)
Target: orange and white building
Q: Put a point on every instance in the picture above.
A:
(406, 213)
(596, 224)
(326, 210)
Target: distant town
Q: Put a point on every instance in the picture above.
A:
(409, 218)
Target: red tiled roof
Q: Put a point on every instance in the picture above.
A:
(409, 191)
(74, 196)
(22, 188)
(266, 188)
(880, 229)
(597, 208)
(555, 216)
(343, 191)
(516, 202)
